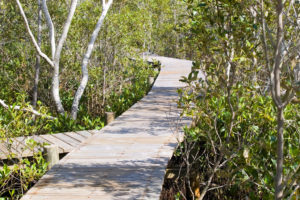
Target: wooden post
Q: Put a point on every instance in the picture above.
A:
(51, 155)
(109, 117)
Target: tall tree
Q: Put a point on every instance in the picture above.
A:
(281, 57)
(56, 50)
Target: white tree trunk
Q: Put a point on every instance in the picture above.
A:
(55, 89)
(56, 51)
(86, 58)
(32, 37)
(50, 27)
(57, 54)
(65, 31)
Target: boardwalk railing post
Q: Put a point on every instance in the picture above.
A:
(109, 117)
(51, 155)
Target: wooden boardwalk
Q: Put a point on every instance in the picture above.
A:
(127, 158)
(66, 142)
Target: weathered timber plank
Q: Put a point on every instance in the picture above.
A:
(65, 138)
(66, 142)
(21, 149)
(76, 136)
(3, 151)
(126, 159)
(85, 134)
(53, 140)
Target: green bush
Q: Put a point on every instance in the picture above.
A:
(17, 177)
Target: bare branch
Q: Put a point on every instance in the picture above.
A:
(291, 176)
(215, 169)
(294, 192)
(65, 30)
(270, 35)
(264, 37)
(288, 97)
(32, 37)
(30, 109)
(50, 26)
(86, 58)
(217, 187)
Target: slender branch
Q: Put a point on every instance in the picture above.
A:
(51, 28)
(288, 97)
(217, 187)
(270, 35)
(65, 31)
(86, 58)
(263, 186)
(264, 37)
(291, 176)
(215, 169)
(294, 192)
(32, 37)
(278, 52)
(38, 58)
(30, 109)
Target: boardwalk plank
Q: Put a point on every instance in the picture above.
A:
(3, 151)
(127, 158)
(76, 136)
(85, 134)
(66, 142)
(66, 139)
(21, 148)
(65, 146)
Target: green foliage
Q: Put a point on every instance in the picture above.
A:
(17, 178)
(64, 123)
(234, 117)
(251, 144)
(115, 81)
(138, 86)
(15, 123)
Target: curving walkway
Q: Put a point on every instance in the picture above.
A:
(127, 158)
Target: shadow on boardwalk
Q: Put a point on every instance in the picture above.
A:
(127, 158)
(135, 175)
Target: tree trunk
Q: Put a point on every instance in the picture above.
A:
(280, 146)
(50, 27)
(86, 58)
(55, 89)
(38, 58)
(276, 89)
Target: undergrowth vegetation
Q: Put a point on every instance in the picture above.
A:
(242, 93)
(118, 77)
(245, 137)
